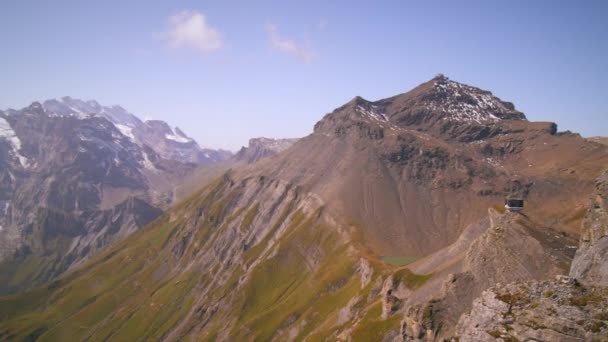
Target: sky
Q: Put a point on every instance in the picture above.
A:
(227, 71)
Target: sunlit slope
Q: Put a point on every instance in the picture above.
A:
(247, 260)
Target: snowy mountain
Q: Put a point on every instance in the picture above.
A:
(168, 142)
(76, 176)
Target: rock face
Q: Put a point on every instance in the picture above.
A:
(260, 148)
(564, 309)
(590, 264)
(559, 310)
(293, 246)
(76, 176)
(510, 249)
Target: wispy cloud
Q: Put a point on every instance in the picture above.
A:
(289, 46)
(190, 30)
(323, 24)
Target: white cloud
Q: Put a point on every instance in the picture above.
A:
(288, 45)
(190, 29)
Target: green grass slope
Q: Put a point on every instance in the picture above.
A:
(239, 260)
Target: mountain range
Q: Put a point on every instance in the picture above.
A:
(76, 176)
(387, 223)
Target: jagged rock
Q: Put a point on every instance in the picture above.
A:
(537, 311)
(390, 302)
(590, 264)
(260, 148)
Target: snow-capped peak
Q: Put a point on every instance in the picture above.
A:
(468, 104)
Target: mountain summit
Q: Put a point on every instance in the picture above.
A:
(451, 101)
(439, 106)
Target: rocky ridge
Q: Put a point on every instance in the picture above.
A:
(170, 143)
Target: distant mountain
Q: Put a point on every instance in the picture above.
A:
(260, 148)
(387, 223)
(169, 143)
(76, 176)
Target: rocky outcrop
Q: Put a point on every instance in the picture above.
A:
(560, 310)
(590, 264)
(565, 309)
(511, 249)
(260, 148)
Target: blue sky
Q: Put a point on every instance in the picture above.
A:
(225, 71)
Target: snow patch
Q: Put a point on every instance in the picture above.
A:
(7, 132)
(467, 104)
(147, 164)
(175, 136)
(127, 131)
(78, 113)
(372, 113)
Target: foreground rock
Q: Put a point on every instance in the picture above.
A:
(571, 308)
(590, 265)
(561, 310)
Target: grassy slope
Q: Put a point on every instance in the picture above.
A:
(139, 289)
(401, 260)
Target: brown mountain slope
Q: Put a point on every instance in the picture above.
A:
(601, 140)
(413, 186)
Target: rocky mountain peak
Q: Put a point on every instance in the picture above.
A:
(173, 134)
(465, 103)
(35, 108)
(159, 125)
(439, 106)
